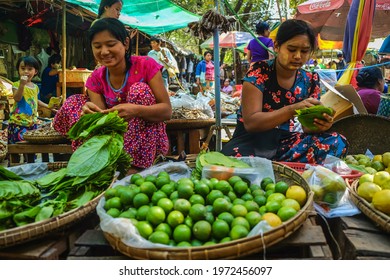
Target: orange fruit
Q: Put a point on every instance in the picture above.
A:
(298, 193)
(272, 219)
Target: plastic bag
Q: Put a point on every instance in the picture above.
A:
(199, 103)
(328, 186)
(345, 208)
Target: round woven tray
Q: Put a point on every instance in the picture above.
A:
(234, 249)
(44, 135)
(379, 218)
(23, 234)
(189, 124)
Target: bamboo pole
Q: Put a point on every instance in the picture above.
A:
(137, 42)
(63, 51)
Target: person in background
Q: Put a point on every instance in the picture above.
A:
(315, 65)
(24, 112)
(50, 78)
(204, 73)
(341, 64)
(332, 65)
(222, 72)
(163, 57)
(371, 84)
(112, 9)
(226, 87)
(190, 69)
(131, 85)
(257, 52)
(272, 92)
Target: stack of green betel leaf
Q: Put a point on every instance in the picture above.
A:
(306, 116)
(89, 172)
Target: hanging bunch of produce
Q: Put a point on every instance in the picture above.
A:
(210, 21)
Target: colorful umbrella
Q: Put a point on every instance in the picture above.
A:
(231, 39)
(328, 17)
(356, 37)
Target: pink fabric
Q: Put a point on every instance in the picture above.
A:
(209, 71)
(143, 69)
(144, 141)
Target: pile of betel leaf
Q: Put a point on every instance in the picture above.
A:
(89, 172)
(306, 116)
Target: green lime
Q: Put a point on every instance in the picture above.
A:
(260, 200)
(238, 210)
(253, 218)
(114, 212)
(157, 196)
(142, 212)
(140, 199)
(220, 229)
(150, 178)
(196, 199)
(240, 187)
(265, 181)
(285, 213)
(175, 218)
(238, 232)
(135, 177)
(221, 205)
(144, 228)
(223, 186)
(202, 230)
(166, 204)
(227, 217)
(234, 179)
(165, 228)
(197, 212)
(161, 181)
(159, 237)
(241, 221)
(182, 233)
(281, 187)
(273, 206)
(155, 215)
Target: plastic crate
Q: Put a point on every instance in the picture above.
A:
(300, 167)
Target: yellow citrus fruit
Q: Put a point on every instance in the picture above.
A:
(377, 158)
(381, 177)
(182, 233)
(159, 237)
(238, 232)
(298, 193)
(366, 178)
(202, 230)
(367, 190)
(272, 219)
(381, 201)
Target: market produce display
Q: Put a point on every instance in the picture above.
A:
(368, 164)
(191, 212)
(89, 172)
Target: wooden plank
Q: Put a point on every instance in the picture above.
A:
(361, 243)
(24, 148)
(360, 222)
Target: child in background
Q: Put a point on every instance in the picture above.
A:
(50, 78)
(24, 113)
(226, 87)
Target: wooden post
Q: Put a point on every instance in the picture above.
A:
(137, 42)
(63, 51)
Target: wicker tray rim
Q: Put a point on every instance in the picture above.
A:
(230, 250)
(378, 217)
(29, 232)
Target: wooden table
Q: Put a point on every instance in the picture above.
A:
(14, 150)
(187, 134)
(358, 238)
(70, 85)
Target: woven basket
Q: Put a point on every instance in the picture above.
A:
(375, 136)
(234, 249)
(44, 135)
(29, 232)
(379, 218)
(75, 75)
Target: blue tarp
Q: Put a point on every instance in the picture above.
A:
(385, 48)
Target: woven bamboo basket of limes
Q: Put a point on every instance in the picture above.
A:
(153, 216)
(373, 202)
